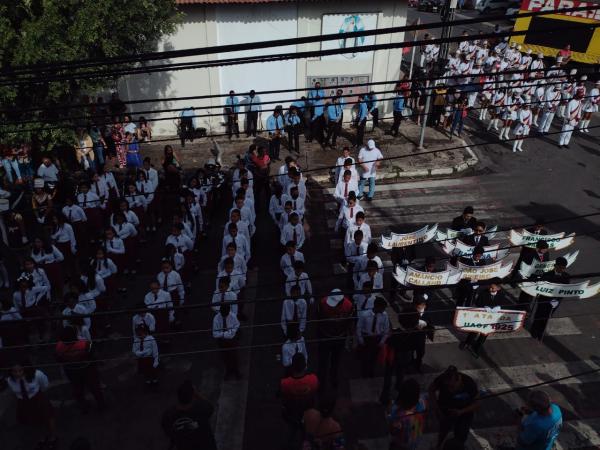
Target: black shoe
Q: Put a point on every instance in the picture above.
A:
(369, 199)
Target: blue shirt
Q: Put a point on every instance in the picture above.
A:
(252, 103)
(342, 102)
(319, 108)
(540, 432)
(299, 104)
(363, 111)
(274, 123)
(292, 119)
(334, 112)
(189, 112)
(233, 103)
(399, 103)
(313, 94)
(371, 102)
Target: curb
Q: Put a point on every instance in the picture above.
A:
(388, 174)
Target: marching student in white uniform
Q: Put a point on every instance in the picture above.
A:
(571, 119)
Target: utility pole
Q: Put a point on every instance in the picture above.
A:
(447, 16)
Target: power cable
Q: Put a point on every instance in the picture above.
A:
(420, 78)
(91, 118)
(277, 57)
(149, 56)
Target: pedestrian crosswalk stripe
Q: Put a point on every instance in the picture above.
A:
(575, 434)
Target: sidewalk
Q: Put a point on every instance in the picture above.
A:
(312, 157)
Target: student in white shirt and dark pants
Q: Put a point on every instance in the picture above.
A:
(225, 331)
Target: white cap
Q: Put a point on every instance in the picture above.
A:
(211, 162)
(371, 144)
(513, 44)
(457, 52)
(573, 72)
(335, 297)
(529, 51)
(38, 183)
(583, 77)
(506, 39)
(519, 47)
(540, 55)
(559, 59)
(517, 90)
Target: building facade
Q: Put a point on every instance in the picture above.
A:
(208, 23)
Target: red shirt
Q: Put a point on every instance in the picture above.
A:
(299, 393)
(341, 312)
(566, 54)
(261, 163)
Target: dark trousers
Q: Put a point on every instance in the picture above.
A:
(316, 129)
(360, 131)
(402, 361)
(438, 110)
(294, 138)
(82, 379)
(186, 130)
(368, 356)
(274, 147)
(475, 341)
(464, 293)
(251, 121)
(375, 115)
(460, 425)
(543, 312)
(229, 355)
(232, 125)
(333, 131)
(396, 124)
(330, 353)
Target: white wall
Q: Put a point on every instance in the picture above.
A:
(231, 24)
(254, 23)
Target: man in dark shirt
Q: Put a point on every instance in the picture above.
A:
(464, 289)
(454, 396)
(546, 306)
(466, 220)
(478, 238)
(491, 297)
(188, 423)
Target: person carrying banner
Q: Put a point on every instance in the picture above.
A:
(546, 306)
(464, 289)
(491, 298)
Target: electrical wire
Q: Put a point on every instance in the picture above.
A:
(278, 57)
(420, 78)
(503, 84)
(149, 56)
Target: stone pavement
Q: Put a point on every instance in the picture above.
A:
(312, 157)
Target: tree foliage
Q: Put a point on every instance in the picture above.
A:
(35, 32)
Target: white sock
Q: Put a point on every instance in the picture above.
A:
(520, 146)
(515, 145)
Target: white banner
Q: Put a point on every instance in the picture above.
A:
(459, 248)
(477, 273)
(547, 289)
(415, 277)
(425, 234)
(556, 241)
(538, 268)
(488, 320)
